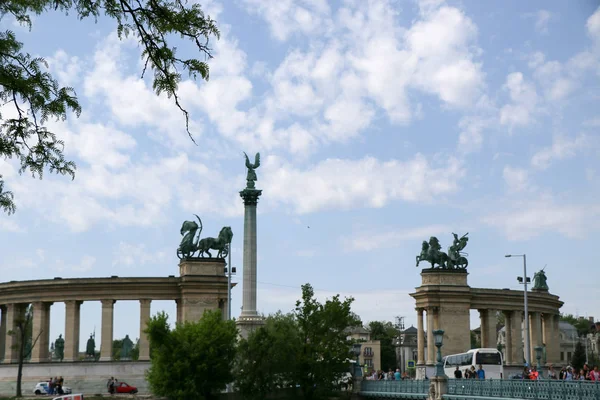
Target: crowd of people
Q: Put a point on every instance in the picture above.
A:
(55, 385)
(111, 384)
(388, 376)
(470, 373)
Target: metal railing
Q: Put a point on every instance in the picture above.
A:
(473, 389)
(406, 389)
(522, 389)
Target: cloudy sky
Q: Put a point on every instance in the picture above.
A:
(380, 123)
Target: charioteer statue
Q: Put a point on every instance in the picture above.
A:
(455, 258)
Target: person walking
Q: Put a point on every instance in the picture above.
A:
(481, 373)
(457, 373)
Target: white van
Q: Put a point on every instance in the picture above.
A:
(489, 359)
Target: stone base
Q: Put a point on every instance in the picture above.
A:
(439, 276)
(247, 324)
(202, 266)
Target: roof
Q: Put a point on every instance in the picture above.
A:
(359, 330)
(412, 329)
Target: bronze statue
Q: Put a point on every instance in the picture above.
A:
(539, 280)
(90, 348)
(59, 348)
(455, 259)
(189, 246)
(126, 348)
(251, 176)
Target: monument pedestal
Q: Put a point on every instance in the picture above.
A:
(247, 324)
(203, 285)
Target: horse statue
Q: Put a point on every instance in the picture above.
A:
(435, 255)
(221, 243)
(191, 242)
(423, 255)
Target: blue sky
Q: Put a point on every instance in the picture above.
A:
(380, 123)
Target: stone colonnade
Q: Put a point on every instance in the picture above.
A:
(446, 300)
(202, 285)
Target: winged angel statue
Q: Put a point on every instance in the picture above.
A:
(251, 177)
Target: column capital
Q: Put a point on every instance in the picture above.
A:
(108, 302)
(250, 196)
(73, 302)
(145, 302)
(419, 309)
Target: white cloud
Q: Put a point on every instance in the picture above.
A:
(593, 25)
(517, 179)
(368, 182)
(86, 264)
(470, 138)
(134, 255)
(542, 18)
(373, 240)
(562, 148)
(529, 219)
(9, 225)
(523, 101)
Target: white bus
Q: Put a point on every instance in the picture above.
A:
(489, 359)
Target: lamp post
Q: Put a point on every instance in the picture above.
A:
(357, 368)
(524, 280)
(438, 337)
(230, 270)
(538, 356)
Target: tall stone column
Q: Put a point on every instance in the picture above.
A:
(144, 317)
(40, 331)
(107, 330)
(3, 332)
(179, 305)
(420, 338)
(550, 340)
(249, 318)
(508, 331)
(488, 328)
(535, 330)
(436, 318)
(13, 313)
(72, 329)
(517, 338)
(430, 340)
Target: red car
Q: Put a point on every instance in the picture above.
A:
(123, 387)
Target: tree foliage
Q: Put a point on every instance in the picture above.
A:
(194, 360)
(578, 358)
(266, 359)
(582, 325)
(35, 96)
(308, 348)
(385, 332)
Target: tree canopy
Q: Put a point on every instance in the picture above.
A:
(193, 361)
(385, 332)
(31, 96)
(582, 325)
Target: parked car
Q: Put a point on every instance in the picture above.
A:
(123, 387)
(44, 388)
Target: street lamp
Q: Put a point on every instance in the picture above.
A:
(538, 356)
(229, 270)
(524, 280)
(438, 338)
(356, 351)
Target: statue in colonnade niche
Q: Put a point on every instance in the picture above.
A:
(59, 348)
(126, 348)
(90, 347)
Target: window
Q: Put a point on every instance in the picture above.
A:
(488, 358)
(466, 359)
(368, 351)
(369, 363)
(569, 356)
(562, 356)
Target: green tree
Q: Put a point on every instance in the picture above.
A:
(266, 360)
(322, 356)
(385, 332)
(475, 342)
(581, 324)
(194, 360)
(36, 96)
(578, 358)
(23, 325)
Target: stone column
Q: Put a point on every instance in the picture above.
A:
(430, 340)
(13, 312)
(107, 330)
(40, 331)
(179, 304)
(488, 328)
(420, 338)
(72, 329)
(436, 318)
(3, 332)
(550, 340)
(249, 318)
(144, 317)
(517, 338)
(508, 331)
(535, 330)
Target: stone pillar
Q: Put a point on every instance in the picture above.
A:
(430, 340)
(508, 344)
(517, 338)
(179, 304)
(144, 317)
(249, 318)
(436, 318)
(40, 331)
(535, 330)
(72, 329)
(107, 330)
(551, 341)
(488, 328)
(420, 338)
(3, 332)
(13, 313)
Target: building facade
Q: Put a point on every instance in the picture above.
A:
(370, 352)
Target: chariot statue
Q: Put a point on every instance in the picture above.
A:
(431, 252)
(191, 242)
